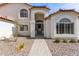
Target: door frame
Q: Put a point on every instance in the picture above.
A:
(42, 26)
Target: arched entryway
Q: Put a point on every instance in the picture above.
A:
(39, 24)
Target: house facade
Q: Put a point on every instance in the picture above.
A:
(34, 21)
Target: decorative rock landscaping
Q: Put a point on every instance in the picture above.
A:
(10, 47)
(63, 49)
(24, 47)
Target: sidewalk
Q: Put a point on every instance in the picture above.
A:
(39, 48)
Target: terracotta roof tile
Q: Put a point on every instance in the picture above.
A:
(5, 19)
(40, 7)
(61, 10)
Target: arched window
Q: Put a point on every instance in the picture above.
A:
(65, 26)
(23, 13)
(64, 20)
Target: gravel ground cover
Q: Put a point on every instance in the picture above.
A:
(57, 49)
(63, 49)
(11, 48)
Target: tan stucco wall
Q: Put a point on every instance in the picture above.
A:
(56, 18)
(48, 28)
(32, 22)
(12, 11)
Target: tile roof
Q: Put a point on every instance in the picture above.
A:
(6, 19)
(40, 7)
(62, 10)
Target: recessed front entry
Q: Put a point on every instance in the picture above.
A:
(39, 28)
(39, 24)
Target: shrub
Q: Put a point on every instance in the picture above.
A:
(57, 41)
(72, 41)
(77, 41)
(64, 41)
(20, 47)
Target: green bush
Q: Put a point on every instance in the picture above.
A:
(57, 41)
(72, 41)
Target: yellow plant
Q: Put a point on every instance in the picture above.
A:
(20, 46)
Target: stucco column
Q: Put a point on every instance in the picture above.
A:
(32, 29)
(44, 28)
(77, 27)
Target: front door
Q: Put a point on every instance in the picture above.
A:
(39, 29)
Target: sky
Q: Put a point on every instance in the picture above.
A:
(56, 6)
(6, 28)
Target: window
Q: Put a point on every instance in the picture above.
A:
(23, 13)
(65, 26)
(24, 28)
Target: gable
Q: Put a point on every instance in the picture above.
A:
(4, 4)
(12, 10)
(64, 12)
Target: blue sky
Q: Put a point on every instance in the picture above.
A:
(56, 6)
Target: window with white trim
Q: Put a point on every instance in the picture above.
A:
(23, 27)
(65, 26)
(23, 13)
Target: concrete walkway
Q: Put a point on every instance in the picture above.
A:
(39, 48)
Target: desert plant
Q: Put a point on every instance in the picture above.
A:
(64, 41)
(20, 46)
(77, 41)
(72, 41)
(57, 41)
